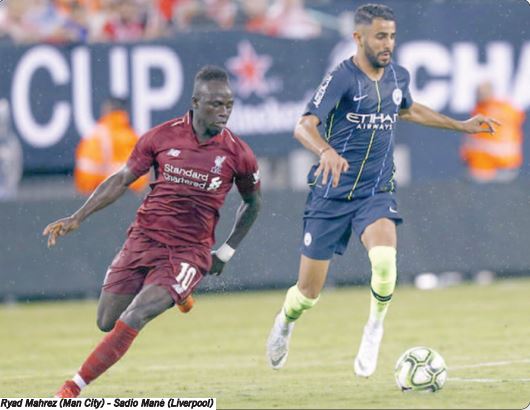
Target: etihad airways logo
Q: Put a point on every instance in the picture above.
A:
(374, 121)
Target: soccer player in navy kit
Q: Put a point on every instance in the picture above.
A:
(196, 160)
(352, 187)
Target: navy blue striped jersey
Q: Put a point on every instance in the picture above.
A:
(359, 117)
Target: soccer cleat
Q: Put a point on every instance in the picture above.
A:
(278, 342)
(186, 306)
(366, 359)
(68, 390)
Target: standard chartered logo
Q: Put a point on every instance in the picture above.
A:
(190, 177)
(186, 172)
(374, 121)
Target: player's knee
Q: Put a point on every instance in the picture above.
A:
(138, 316)
(151, 302)
(135, 318)
(303, 299)
(307, 291)
(296, 303)
(383, 260)
(104, 324)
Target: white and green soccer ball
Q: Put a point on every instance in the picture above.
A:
(420, 369)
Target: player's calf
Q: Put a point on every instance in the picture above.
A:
(296, 303)
(109, 350)
(280, 335)
(383, 282)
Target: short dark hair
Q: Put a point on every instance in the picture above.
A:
(366, 13)
(211, 73)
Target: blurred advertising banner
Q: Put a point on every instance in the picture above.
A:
(56, 91)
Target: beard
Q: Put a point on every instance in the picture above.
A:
(373, 57)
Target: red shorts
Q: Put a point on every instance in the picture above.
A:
(144, 261)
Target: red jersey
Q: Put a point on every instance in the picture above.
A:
(192, 180)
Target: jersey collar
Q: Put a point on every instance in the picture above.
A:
(217, 138)
(358, 69)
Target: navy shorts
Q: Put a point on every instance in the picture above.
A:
(328, 223)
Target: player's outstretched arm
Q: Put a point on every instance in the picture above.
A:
(245, 217)
(420, 114)
(306, 132)
(105, 194)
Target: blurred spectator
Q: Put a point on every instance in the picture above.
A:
(166, 8)
(136, 20)
(256, 17)
(205, 14)
(290, 19)
(30, 21)
(75, 24)
(106, 149)
(160, 17)
(126, 21)
(184, 12)
(495, 157)
(222, 12)
(46, 21)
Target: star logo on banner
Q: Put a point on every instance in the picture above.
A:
(249, 68)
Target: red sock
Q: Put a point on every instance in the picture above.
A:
(108, 351)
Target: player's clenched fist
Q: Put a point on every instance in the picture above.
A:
(220, 257)
(217, 265)
(60, 228)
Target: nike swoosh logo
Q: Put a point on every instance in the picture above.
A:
(276, 362)
(392, 210)
(361, 97)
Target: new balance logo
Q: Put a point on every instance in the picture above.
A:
(256, 176)
(362, 97)
(215, 184)
(173, 152)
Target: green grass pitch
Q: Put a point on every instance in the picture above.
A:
(218, 350)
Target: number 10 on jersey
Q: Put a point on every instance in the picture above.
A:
(184, 278)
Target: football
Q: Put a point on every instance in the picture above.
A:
(420, 369)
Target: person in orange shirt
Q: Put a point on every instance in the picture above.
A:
(106, 149)
(494, 157)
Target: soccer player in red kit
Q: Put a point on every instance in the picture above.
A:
(196, 159)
